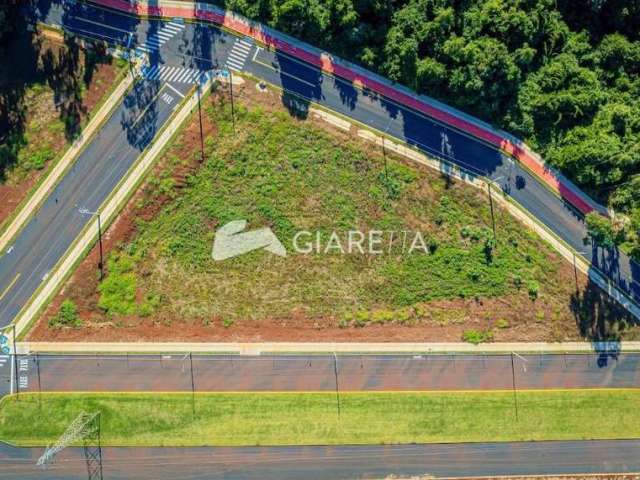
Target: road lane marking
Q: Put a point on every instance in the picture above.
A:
(174, 89)
(102, 25)
(13, 282)
(151, 102)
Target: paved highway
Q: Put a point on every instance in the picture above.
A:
(343, 462)
(175, 50)
(157, 373)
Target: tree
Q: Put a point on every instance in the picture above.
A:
(601, 230)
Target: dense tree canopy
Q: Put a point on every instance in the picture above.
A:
(564, 75)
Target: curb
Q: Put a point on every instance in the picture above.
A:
(293, 348)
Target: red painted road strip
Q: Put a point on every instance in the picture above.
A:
(325, 63)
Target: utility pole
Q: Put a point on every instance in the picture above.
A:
(233, 114)
(515, 394)
(39, 383)
(85, 211)
(493, 219)
(200, 119)
(575, 269)
(15, 363)
(335, 370)
(193, 387)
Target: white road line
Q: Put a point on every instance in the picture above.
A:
(143, 48)
(174, 89)
(102, 25)
(234, 69)
(244, 42)
(256, 54)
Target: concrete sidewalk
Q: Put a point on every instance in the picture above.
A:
(311, 348)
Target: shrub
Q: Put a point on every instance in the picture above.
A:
(477, 336)
(67, 316)
(502, 323)
(534, 290)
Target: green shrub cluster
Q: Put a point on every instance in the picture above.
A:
(67, 316)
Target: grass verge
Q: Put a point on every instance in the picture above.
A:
(312, 418)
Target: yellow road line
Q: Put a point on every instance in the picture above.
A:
(15, 279)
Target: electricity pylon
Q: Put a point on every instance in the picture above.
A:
(85, 427)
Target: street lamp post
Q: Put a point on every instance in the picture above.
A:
(200, 120)
(85, 211)
(233, 114)
(493, 219)
(575, 269)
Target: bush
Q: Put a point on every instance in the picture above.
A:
(534, 290)
(477, 336)
(67, 316)
(502, 323)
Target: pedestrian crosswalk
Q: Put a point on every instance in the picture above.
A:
(238, 55)
(156, 39)
(171, 74)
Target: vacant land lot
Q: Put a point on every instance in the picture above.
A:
(313, 419)
(45, 98)
(289, 174)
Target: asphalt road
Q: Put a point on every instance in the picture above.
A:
(172, 47)
(159, 373)
(344, 462)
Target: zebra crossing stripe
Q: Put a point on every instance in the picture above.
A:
(175, 27)
(244, 42)
(183, 75)
(244, 48)
(235, 63)
(235, 56)
(175, 75)
(168, 73)
(143, 48)
(151, 72)
(156, 73)
(153, 41)
(163, 34)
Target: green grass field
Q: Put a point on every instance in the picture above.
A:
(290, 175)
(312, 418)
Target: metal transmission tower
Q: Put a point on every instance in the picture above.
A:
(85, 427)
